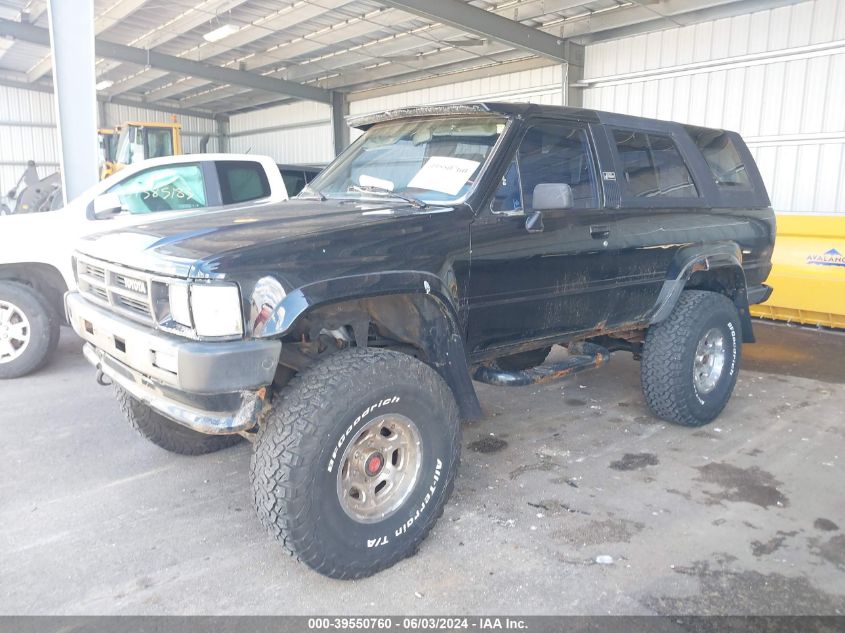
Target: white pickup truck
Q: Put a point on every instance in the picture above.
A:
(36, 248)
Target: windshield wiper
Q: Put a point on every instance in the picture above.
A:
(419, 204)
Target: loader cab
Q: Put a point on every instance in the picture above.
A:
(137, 141)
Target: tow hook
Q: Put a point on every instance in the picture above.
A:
(102, 379)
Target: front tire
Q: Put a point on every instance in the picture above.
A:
(355, 464)
(167, 434)
(29, 330)
(690, 361)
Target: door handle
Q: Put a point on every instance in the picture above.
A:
(599, 232)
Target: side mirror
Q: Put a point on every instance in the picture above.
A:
(107, 205)
(534, 222)
(552, 195)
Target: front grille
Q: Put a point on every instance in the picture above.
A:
(127, 291)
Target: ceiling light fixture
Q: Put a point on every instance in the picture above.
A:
(220, 32)
(105, 83)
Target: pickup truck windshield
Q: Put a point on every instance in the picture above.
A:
(431, 160)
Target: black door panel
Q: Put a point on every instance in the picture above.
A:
(559, 280)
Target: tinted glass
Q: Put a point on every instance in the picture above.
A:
(294, 181)
(652, 166)
(508, 196)
(721, 155)
(242, 181)
(162, 189)
(549, 154)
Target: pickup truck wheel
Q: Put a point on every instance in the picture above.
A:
(355, 464)
(167, 434)
(690, 361)
(524, 360)
(29, 330)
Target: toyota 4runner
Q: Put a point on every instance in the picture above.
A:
(340, 331)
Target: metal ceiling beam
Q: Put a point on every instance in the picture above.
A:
(470, 19)
(287, 17)
(136, 103)
(113, 14)
(120, 52)
(189, 20)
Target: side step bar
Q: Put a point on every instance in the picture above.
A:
(583, 355)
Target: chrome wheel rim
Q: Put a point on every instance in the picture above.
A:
(709, 361)
(14, 332)
(379, 468)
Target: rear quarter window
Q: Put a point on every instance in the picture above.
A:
(723, 158)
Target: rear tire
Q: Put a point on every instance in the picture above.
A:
(356, 462)
(167, 434)
(29, 330)
(690, 361)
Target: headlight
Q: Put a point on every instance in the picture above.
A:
(216, 310)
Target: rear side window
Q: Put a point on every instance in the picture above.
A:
(652, 166)
(722, 157)
(241, 181)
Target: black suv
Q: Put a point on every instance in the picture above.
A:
(340, 331)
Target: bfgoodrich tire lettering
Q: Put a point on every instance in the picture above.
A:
(300, 451)
(669, 359)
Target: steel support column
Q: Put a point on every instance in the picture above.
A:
(340, 131)
(573, 72)
(223, 135)
(72, 47)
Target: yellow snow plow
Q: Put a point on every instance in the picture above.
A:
(808, 271)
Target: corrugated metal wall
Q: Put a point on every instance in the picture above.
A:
(540, 85)
(776, 76)
(301, 132)
(28, 131)
(295, 133)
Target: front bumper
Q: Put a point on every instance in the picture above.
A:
(211, 387)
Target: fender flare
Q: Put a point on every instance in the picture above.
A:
(440, 333)
(695, 258)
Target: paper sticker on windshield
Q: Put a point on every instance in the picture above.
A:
(444, 174)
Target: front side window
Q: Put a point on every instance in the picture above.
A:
(549, 154)
(168, 188)
(652, 166)
(722, 157)
(433, 160)
(242, 181)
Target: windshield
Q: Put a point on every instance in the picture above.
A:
(427, 160)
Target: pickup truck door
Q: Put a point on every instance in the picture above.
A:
(529, 285)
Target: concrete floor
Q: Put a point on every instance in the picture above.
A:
(743, 516)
